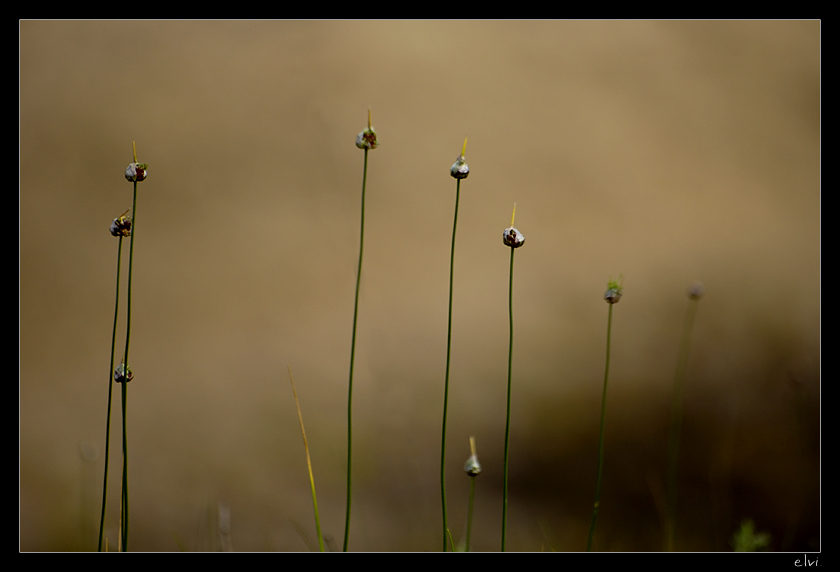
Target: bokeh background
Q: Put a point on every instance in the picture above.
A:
(666, 152)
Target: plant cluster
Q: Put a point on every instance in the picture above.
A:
(125, 227)
(121, 227)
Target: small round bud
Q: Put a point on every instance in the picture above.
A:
(136, 172)
(613, 293)
(123, 373)
(612, 296)
(460, 169)
(121, 226)
(472, 466)
(513, 238)
(367, 139)
(696, 291)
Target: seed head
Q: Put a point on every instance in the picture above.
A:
(460, 169)
(366, 139)
(512, 237)
(121, 226)
(120, 374)
(614, 291)
(472, 466)
(136, 172)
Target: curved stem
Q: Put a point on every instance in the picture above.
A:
(352, 361)
(597, 503)
(507, 422)
(446, 381)
(110, 400)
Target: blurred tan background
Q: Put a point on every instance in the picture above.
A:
(664, 151)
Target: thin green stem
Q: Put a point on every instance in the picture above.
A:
(124, 489)
(507, 421)
(110, 400)
(352, 361)
(124, 502)
(597, 503)
(308, 464)
(676, 424)
(470, 512)
(446, 380)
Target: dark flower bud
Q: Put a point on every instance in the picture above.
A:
(123, 373)
(513, 238)
(367, 138)
(121, 226)
(460, 169)
(136, 172)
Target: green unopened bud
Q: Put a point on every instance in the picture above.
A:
(367, 138)
(472, 466)
(121, 226)
(123, 373)
(614, 291)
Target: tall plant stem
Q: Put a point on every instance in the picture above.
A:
(352, 361)
(446, 381)
(676, 424)
(124, 488)
(507, 421)
(110, 400)
(124, 502)
(597, 503)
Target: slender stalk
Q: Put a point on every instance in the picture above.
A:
(514, 239)
(352, 361)
(507, 421)
(473, 468)
(448, 360)
(124, 503)
(124, 489)
(676, 421)
(470, 512)
(308, 463)
(597, 503)
(110, 400)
